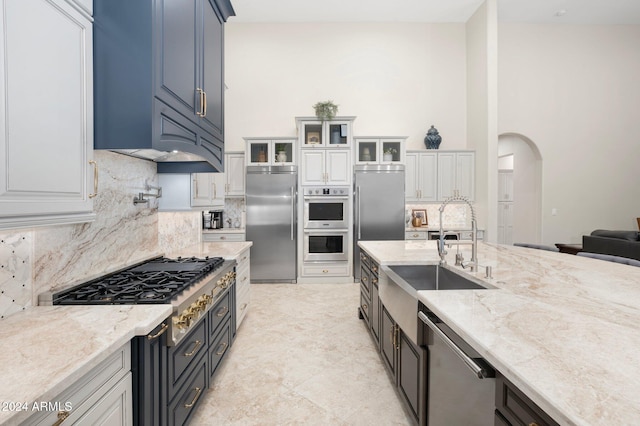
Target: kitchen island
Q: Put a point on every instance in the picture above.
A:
(562, 328)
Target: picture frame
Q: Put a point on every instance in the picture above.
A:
(422, 214)
(313, 138)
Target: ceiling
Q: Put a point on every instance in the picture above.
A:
(533, 11)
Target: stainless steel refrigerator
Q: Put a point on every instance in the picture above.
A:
(379, 211)
(271, 222)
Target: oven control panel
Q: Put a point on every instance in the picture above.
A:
(323, 191)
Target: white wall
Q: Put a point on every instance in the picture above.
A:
(397, 79)
(574, 91)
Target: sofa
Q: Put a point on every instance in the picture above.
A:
(614, 243)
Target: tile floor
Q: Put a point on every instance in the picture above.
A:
(302, 357)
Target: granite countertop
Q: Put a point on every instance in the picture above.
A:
(48, 348)
(562, 328)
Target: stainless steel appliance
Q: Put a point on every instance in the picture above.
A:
(325, 245)
(379, 212)
(271, 200)
(461, 384)
(217, 219)
(326, 208)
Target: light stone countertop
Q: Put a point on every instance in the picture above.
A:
(230, 250)
(563, 328)
(48, 348)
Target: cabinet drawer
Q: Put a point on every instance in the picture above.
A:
(365, 306)
(189, 396)
(222, 237)
(415, 235)
(83, 394)
(325, 270)
(219, 348)
(516, 407)
(182, 357)
(219, 314)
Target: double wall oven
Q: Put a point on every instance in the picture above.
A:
(326, 224)
(174, 364)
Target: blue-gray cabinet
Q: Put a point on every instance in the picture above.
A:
(159, 77)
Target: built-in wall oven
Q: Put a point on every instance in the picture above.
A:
(326, 208)
(326, 245)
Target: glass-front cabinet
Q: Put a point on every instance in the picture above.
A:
(334, 133)
(379, 150)
(270, 151)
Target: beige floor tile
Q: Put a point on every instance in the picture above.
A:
(302, 357)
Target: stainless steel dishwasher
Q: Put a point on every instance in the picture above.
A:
(461, 384)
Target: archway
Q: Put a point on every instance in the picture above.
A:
(519, 190)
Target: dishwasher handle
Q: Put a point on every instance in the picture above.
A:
(480, 371)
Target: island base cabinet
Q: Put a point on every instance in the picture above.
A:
(514, 408)
(411, 368)
(388, 341)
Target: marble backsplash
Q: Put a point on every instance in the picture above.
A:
(455, 216)
(50, 258)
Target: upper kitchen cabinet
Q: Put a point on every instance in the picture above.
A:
(46, 116)
(159, 83)
(456, 174)
(270, 151)
(335, 133)
(421, 176)
(234, 174)
(379, 150)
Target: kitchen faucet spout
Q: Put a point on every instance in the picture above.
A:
(474, 241)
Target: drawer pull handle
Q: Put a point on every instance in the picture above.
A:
(159, 333)
(195, 398)
(223, 237)
(62, 416)
(374, 280)
(416, 235)
(325, 271)
(365, 307)
(244, 306)
(364, 279)
(243, 259)
(244, 278)
(196, 346)
(224, 348)
(222, 311)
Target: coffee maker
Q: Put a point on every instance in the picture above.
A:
(212, 219)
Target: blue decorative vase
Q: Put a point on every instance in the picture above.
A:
(433, 138)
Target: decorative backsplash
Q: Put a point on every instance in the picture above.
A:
(15, 272)
(455, 216)
(234, 212)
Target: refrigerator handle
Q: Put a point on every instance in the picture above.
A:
(358, 210)
(293, 203)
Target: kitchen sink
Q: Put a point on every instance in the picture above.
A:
(429, 277)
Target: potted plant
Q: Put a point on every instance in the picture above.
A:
(387, 154)
(281, 150)
(325, 110)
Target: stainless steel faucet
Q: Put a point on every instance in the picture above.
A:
(473, 263)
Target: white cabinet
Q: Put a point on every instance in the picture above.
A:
(379, 150)
(335, 133)
(325, 167)
(416, 234)
(46, 113)
(222, 236)
(270, 151)
(207, 189)
(243, 288)
(456, 174)
(103, 396)
(235, 173)
(421, 176)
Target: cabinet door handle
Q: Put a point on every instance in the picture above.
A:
(159, 333)
(200, 112)
(204, 104)
(195, 398)
(196, 345)
(95, 179)
(195, 186)
(62, 416)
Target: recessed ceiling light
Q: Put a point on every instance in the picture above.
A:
(560, 12)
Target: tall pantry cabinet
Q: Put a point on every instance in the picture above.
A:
(46, 115)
